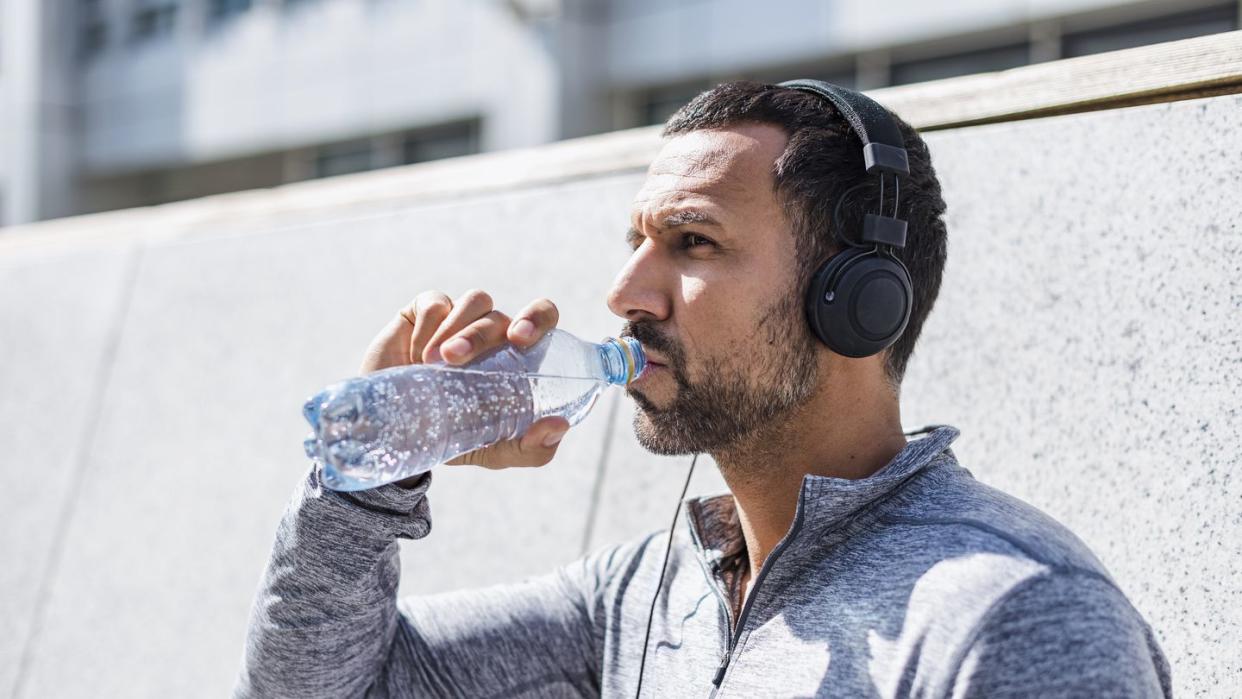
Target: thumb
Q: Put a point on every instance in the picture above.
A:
(541, 441)
(535, 448)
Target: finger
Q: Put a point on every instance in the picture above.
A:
(535, 448)
(533, 322)
(471, 306)
(424, 315)
(389, 348)
(479, 337)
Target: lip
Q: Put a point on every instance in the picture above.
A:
(652, 359)
(652, 368)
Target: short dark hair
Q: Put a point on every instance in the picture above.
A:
(822, 159)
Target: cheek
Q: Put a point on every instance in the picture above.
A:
(718, 321)
(695, 292)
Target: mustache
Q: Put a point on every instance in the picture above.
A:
(650, 338)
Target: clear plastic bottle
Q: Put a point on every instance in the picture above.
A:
(399, 422)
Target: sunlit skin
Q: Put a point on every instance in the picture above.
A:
(716, 300)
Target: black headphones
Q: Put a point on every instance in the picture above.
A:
(859, 300)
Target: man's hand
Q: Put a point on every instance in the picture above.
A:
(433, 327)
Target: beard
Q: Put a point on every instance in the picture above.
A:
(735, 396)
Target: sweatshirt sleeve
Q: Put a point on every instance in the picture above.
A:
(326, 621)
(1063, 634)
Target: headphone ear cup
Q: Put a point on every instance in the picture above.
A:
(822, 295)
(859, 302)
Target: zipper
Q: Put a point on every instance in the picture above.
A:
(736, 633)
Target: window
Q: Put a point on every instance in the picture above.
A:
(965, 63)
(657, 104)
(833, 72)
(92, 29)
(343, 158)
(1211, 20)
(221, 10)
(448, 141)
(152, 19)
(397, 148)
(92, 40)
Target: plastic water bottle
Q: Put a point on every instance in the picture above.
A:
(399, 422)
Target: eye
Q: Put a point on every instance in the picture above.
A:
(689, 239)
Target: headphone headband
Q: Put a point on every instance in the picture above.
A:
(883, 148)
(884, 151)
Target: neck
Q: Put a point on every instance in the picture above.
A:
(848, 429)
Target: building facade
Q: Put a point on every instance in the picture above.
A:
(118, 103)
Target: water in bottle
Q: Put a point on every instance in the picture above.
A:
(399, 422)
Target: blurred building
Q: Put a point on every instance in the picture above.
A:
(119, 103)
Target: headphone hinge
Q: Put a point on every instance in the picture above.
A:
(885, 158)
(884, 230)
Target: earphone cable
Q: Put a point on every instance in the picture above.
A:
(660, 583)
(881, 193)
(836, 217)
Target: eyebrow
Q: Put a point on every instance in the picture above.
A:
(684, 217)
(688, 216)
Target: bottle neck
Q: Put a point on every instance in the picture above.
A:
(623, 359)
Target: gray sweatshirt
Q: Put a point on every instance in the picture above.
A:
(916, 581)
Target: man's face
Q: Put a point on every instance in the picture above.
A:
(709, 292)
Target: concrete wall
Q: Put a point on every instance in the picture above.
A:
(154, 361)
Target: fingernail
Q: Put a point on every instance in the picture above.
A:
(459, 346)
(434, 355)
(524, 329)
(552, 438)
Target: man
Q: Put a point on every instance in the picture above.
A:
(845, 561)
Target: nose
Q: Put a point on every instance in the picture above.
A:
(639, 291)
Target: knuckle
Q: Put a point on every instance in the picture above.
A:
(525, 454)
(548, 313)
(428, 303)
(497, 322)
(437, 310)
(433, 300)
(486, 330)
(476, 335)
(540, 312)
(477, 296)
(477, 457)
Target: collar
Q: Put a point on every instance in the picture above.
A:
(824, 502)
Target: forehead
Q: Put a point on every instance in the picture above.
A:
(721, 169)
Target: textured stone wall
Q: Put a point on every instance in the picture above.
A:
(1086, 343)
